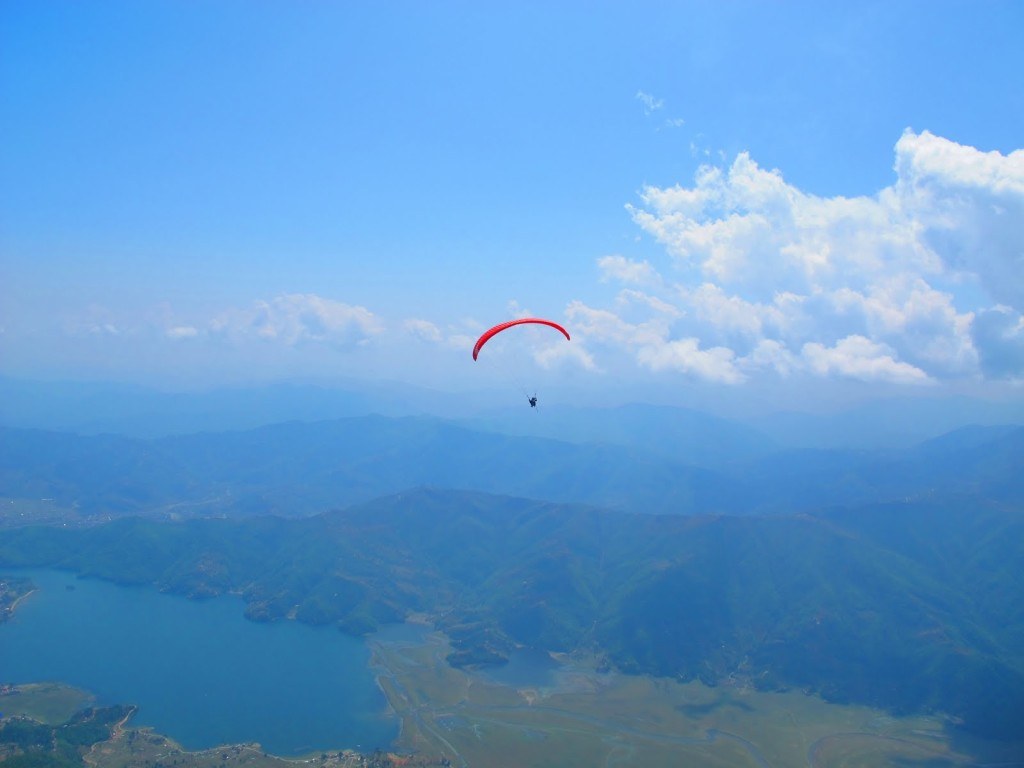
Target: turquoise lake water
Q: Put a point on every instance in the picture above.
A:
(199, 672)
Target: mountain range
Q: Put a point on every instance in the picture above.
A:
(654, 540)
(303, 468)
(909, 606)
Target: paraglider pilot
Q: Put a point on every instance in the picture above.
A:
(533, 401)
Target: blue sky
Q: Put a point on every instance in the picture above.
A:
(770, 197)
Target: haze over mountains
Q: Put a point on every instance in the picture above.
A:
(300, 468)
(888, 576)
(95, 408)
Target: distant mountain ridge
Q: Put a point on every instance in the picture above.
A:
(894, 423)
(136, 411)
(915, 607)
(677, 434)
(302, 468)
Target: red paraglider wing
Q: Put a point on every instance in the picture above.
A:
(502, 326)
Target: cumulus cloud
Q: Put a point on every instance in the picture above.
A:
(860, 358)
(607, 327)
(294, 319)
(711, 304)
(630, 296)
(626, 270)
(999, 336)
(558, 355)
(922, 281)
(771, 355)
(453, 336)
(461, 341)
(685, 355)
(970, 206)
(424, 330)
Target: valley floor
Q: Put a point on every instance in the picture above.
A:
(578, 716)
(585, 717)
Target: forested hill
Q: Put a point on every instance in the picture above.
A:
(298, 469)
(912, 606)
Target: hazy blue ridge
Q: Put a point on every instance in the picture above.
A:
(911, 606)
(301, 468)
(983, 461)
(134, 411)
(679, 434)
(886, 423)
(683, 434)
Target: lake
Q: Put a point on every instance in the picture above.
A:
(199, 672)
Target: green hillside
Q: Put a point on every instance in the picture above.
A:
(915, 607)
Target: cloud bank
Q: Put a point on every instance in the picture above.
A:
(295, 319)
(920, 283)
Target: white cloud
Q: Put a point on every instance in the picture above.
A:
(686, 356)
(999, 337)
(650, 103)
(649, 343)
(627, 271)
(557, 355)
(454, 337)
(424, 330)
(629, 296)
(970, 207)
(182, 332)
(921, 322)
(514, 310)
(748, 229)
(294, 319)
(461, 341)
(860, 358)
(923, 281)
(711, 304)
(771, 355)
(607, 327)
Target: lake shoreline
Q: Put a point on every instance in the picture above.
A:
(104, 637)
(11, 585)
(14, 606)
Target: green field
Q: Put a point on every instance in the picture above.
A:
(48, 703)
(585, 718)
(15, 513)
(608, 719)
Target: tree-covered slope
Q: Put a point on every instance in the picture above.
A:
(911, 606)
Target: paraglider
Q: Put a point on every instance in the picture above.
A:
(491, 332)
(488, 334)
